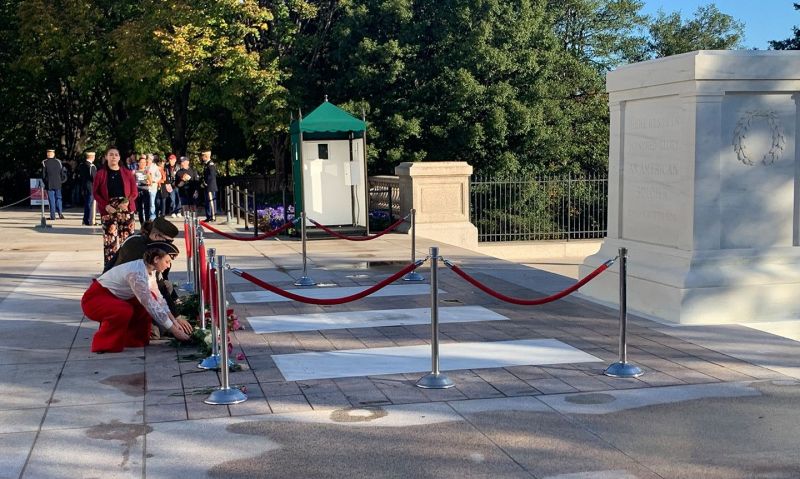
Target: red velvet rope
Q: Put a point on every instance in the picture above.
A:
(268, 234)
(358, 238)
(528, 302)
(305, 299)
(212, 287)
(203, 270)
(187, 239)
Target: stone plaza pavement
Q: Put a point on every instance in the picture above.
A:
(714, 402)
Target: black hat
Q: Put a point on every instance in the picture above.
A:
(165, 226)
(164, 246)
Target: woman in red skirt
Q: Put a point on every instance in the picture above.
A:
(125, 300)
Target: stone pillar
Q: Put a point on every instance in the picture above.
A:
(439, 191)
(703, 188)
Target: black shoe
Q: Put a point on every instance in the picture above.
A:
(60, 216)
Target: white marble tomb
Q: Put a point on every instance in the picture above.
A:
(703, 188)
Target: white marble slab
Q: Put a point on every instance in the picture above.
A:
(369, 319)
(784, 329)
(409, 359)
(262, 296)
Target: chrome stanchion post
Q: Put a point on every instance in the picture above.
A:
(210, 262)
(238, 201)
(213, 360)
(201, 291)
(413, 276)
(228, 204)
(42, 221)
(195, 255)
(225, 394)
(435, 380)
(304, 280)
(187, 230)
(622, 368)
(246, 209)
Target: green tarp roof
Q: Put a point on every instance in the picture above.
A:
(328, 118)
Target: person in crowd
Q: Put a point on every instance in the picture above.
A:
(143, 190)
(209, 185)
(159, 162)
(155, 178)
(188, 184)
(161, 229)
(53, 178)
(68, 189)
(114, 189)
(125, 301)
(134, 247)
(78, 193)
(169, 191)
(86, 172)
(132, 163)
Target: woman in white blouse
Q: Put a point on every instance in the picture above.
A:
(125, 300)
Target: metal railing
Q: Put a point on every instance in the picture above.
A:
(539, 208)
(384, 194)
(241, 204)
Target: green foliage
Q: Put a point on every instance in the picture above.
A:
(603, 33)
(189, 307)
(710, 29)
(792, 43)
(509, 86)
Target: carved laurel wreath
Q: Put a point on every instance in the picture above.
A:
(740, 133)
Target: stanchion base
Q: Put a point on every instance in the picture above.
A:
(226, 396)
(305, 281)
(623, 370)
(435, 381)
(413, 276)
(213, 362)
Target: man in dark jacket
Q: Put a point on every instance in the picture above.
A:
(85, 176)
(53, 177)
(209, 184)
(134, 247)
(188, 184)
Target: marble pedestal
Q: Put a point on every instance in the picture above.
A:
(703, 188)
(439, 192)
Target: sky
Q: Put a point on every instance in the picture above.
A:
(763, 20)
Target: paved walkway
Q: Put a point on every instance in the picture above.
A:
(714, 401)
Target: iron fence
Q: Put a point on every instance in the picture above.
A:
(384, 194)
(539, 208)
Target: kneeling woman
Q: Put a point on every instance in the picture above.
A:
(125, 300)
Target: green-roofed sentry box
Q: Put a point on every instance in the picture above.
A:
(329, 166)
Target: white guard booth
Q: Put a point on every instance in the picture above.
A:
(329, 148)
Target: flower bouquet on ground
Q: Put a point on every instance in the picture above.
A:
(379, 220)
(271, 218)
(201, 338)
(188, 306)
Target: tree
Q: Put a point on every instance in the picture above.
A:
(178, 55)
(710, 29)
(604, 33)
(484, 81)
(790, 43)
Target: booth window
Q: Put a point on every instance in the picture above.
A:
(322, 150)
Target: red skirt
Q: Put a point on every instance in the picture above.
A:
(123, 323)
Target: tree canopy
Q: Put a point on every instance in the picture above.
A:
(791, 43)
(507, 85)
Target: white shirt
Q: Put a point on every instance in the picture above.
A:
(130, 280)
(155, 177)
